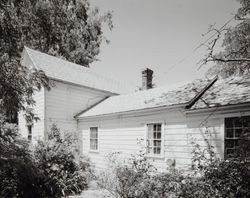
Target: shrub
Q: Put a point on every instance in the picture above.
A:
(55, 157)
(19, 175)
(210, 177)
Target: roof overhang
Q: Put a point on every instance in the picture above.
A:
(222, 109)
(135, 113)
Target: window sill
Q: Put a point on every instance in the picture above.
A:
(93, 151)
(155, 156)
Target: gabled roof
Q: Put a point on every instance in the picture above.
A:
(62, 70)
(229, 91)
(179, 94)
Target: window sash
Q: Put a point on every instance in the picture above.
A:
(154, 138)
(234, 128)
(93, 138)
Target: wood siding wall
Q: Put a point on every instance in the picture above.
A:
(65, 100)
(39, 110)
(123, 133)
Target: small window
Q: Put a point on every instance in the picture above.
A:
(94, 138)
(29, 132)
(154, 139)
(234, 130)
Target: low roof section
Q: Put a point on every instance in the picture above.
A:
(179, 94)
(225, 92)
(191, 95)
(62, 70)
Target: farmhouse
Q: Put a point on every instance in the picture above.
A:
(165, 121)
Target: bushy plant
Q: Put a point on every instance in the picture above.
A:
(55, 157)
(209, 176)
(123, 177)
(19, 175)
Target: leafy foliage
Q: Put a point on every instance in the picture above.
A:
(51, 172)
(65, 28)
(17, 85)
(55, 157)
(68, 29)
(209, 177)
(19, 175)
(235, 57)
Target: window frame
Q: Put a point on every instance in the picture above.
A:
(30, 134)
(154, 155)
(90, 149)
(234, 138)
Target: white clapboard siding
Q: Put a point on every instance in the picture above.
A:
(122, 134)
(39, 110)
(65, 100)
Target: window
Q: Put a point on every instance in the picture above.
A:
(234, 129)
(29, 132)
(154, 139)
(94, 138)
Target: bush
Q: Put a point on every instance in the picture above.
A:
(55, 157)
(210, 177)
(19, 174)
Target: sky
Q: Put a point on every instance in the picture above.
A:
(160, 35)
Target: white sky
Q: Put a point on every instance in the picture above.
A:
(158, 34)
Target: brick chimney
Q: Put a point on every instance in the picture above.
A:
(147, 78)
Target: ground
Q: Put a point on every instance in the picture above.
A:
(94, 192)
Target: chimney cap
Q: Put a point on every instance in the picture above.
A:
(147, 70)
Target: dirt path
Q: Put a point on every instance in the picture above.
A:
(94, 192)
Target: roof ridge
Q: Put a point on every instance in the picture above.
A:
(60, 59)
(32, 60)
(168, 87)
(60, 69)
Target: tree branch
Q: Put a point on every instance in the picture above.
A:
(228, 60)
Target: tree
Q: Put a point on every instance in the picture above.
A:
(234, 59)
(65, 28)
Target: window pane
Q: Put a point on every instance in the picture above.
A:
(150, 135)
(246, 121)
(229, 122)
(93, 138)
(157, 150)
(229, 143)
(159, 127)
(157, 143)
(238, 133)
(155, 127)
(155, 135)
(158, 135)
(229, 133)
(150, 128)
(237, 122)
(230, 152)
(96, 145)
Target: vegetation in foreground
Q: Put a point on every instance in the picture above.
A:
(209, 177)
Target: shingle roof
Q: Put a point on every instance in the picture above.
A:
(230, 91)
(59, 69)
(234, 90)
(156, 97)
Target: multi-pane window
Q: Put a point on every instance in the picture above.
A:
(234, 129)
(94, 138)
(154, 140)
(29, 127)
